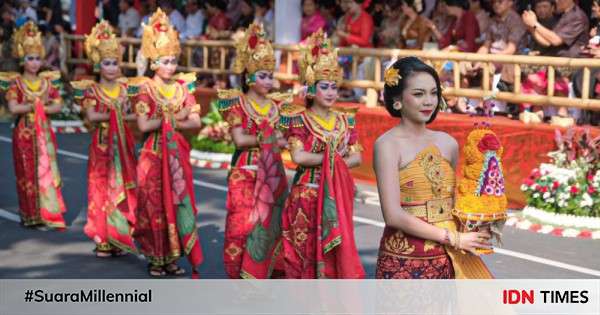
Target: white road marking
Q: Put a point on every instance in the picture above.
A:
(13, 217)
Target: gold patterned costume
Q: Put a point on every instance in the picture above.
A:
(427, 191)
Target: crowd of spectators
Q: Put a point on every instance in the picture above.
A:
(565, 28)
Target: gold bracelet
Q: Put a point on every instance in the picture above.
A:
(457, 245)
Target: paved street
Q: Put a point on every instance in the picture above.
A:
(26, 253)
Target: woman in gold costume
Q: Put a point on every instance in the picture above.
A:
(415, 174)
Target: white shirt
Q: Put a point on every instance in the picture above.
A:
(178, 21)
(129, 20)
(193, 25)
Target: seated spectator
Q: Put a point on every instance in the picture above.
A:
(218, 23)
(146, 10)
(415, 28)
(25, 13)
(568, 35)
(357, 27)
(263, 13)
(566, 39)
(129, 18)
(312, 20)
(110, 12)
(441, 19)
(388, 34)
(505, 36)
(355, 30)
(329, 11)
(463, 31)
(246, 16)
(482, 13)
(174, 15)
(194, 21)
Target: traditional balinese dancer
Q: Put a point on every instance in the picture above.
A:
(31, 97)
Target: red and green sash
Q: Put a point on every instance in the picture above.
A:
(270, 192)
(178, 193)
(51, 201)
(337, 256)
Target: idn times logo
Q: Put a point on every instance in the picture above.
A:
(513, 296)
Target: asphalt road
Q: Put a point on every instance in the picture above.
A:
(33, 254)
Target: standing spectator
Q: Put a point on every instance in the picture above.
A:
(545, 11)
(357, 27)
(312, 20)
(174, 15)
(263, 13)
(7, 27)
(463, 31)
(388, 34)
(129, 18)
(194, 21)
(246, 16)
(415, 28)
(567, 36)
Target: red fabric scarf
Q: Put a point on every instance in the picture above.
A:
(337, 256)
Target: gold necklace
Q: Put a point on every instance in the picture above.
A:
(32, 86)
(261, 109)
(327, 124)
(169, 92)
(113, 92)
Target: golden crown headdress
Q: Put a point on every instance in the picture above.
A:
(102, 43)
(254, 51)
(27, 40)
(160, 38)
(319, 60)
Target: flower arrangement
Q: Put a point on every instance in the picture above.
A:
(215, 135)
(571, 183)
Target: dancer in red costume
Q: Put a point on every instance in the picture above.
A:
(317, 219)
(166, 217)
(257, 182)
(111, 166)
(31, 96)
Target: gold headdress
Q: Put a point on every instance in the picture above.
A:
(101, 43)
(28, 40)
(160, 38)
(254, 51)
(319, 60)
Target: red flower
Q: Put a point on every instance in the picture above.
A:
(528, 182)
(590, 177)
(252, 41)
(574, 189)
(315, 51)
(591, 190)
(544, 189)
(555, 185)
(489, 142)
(160, 27)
